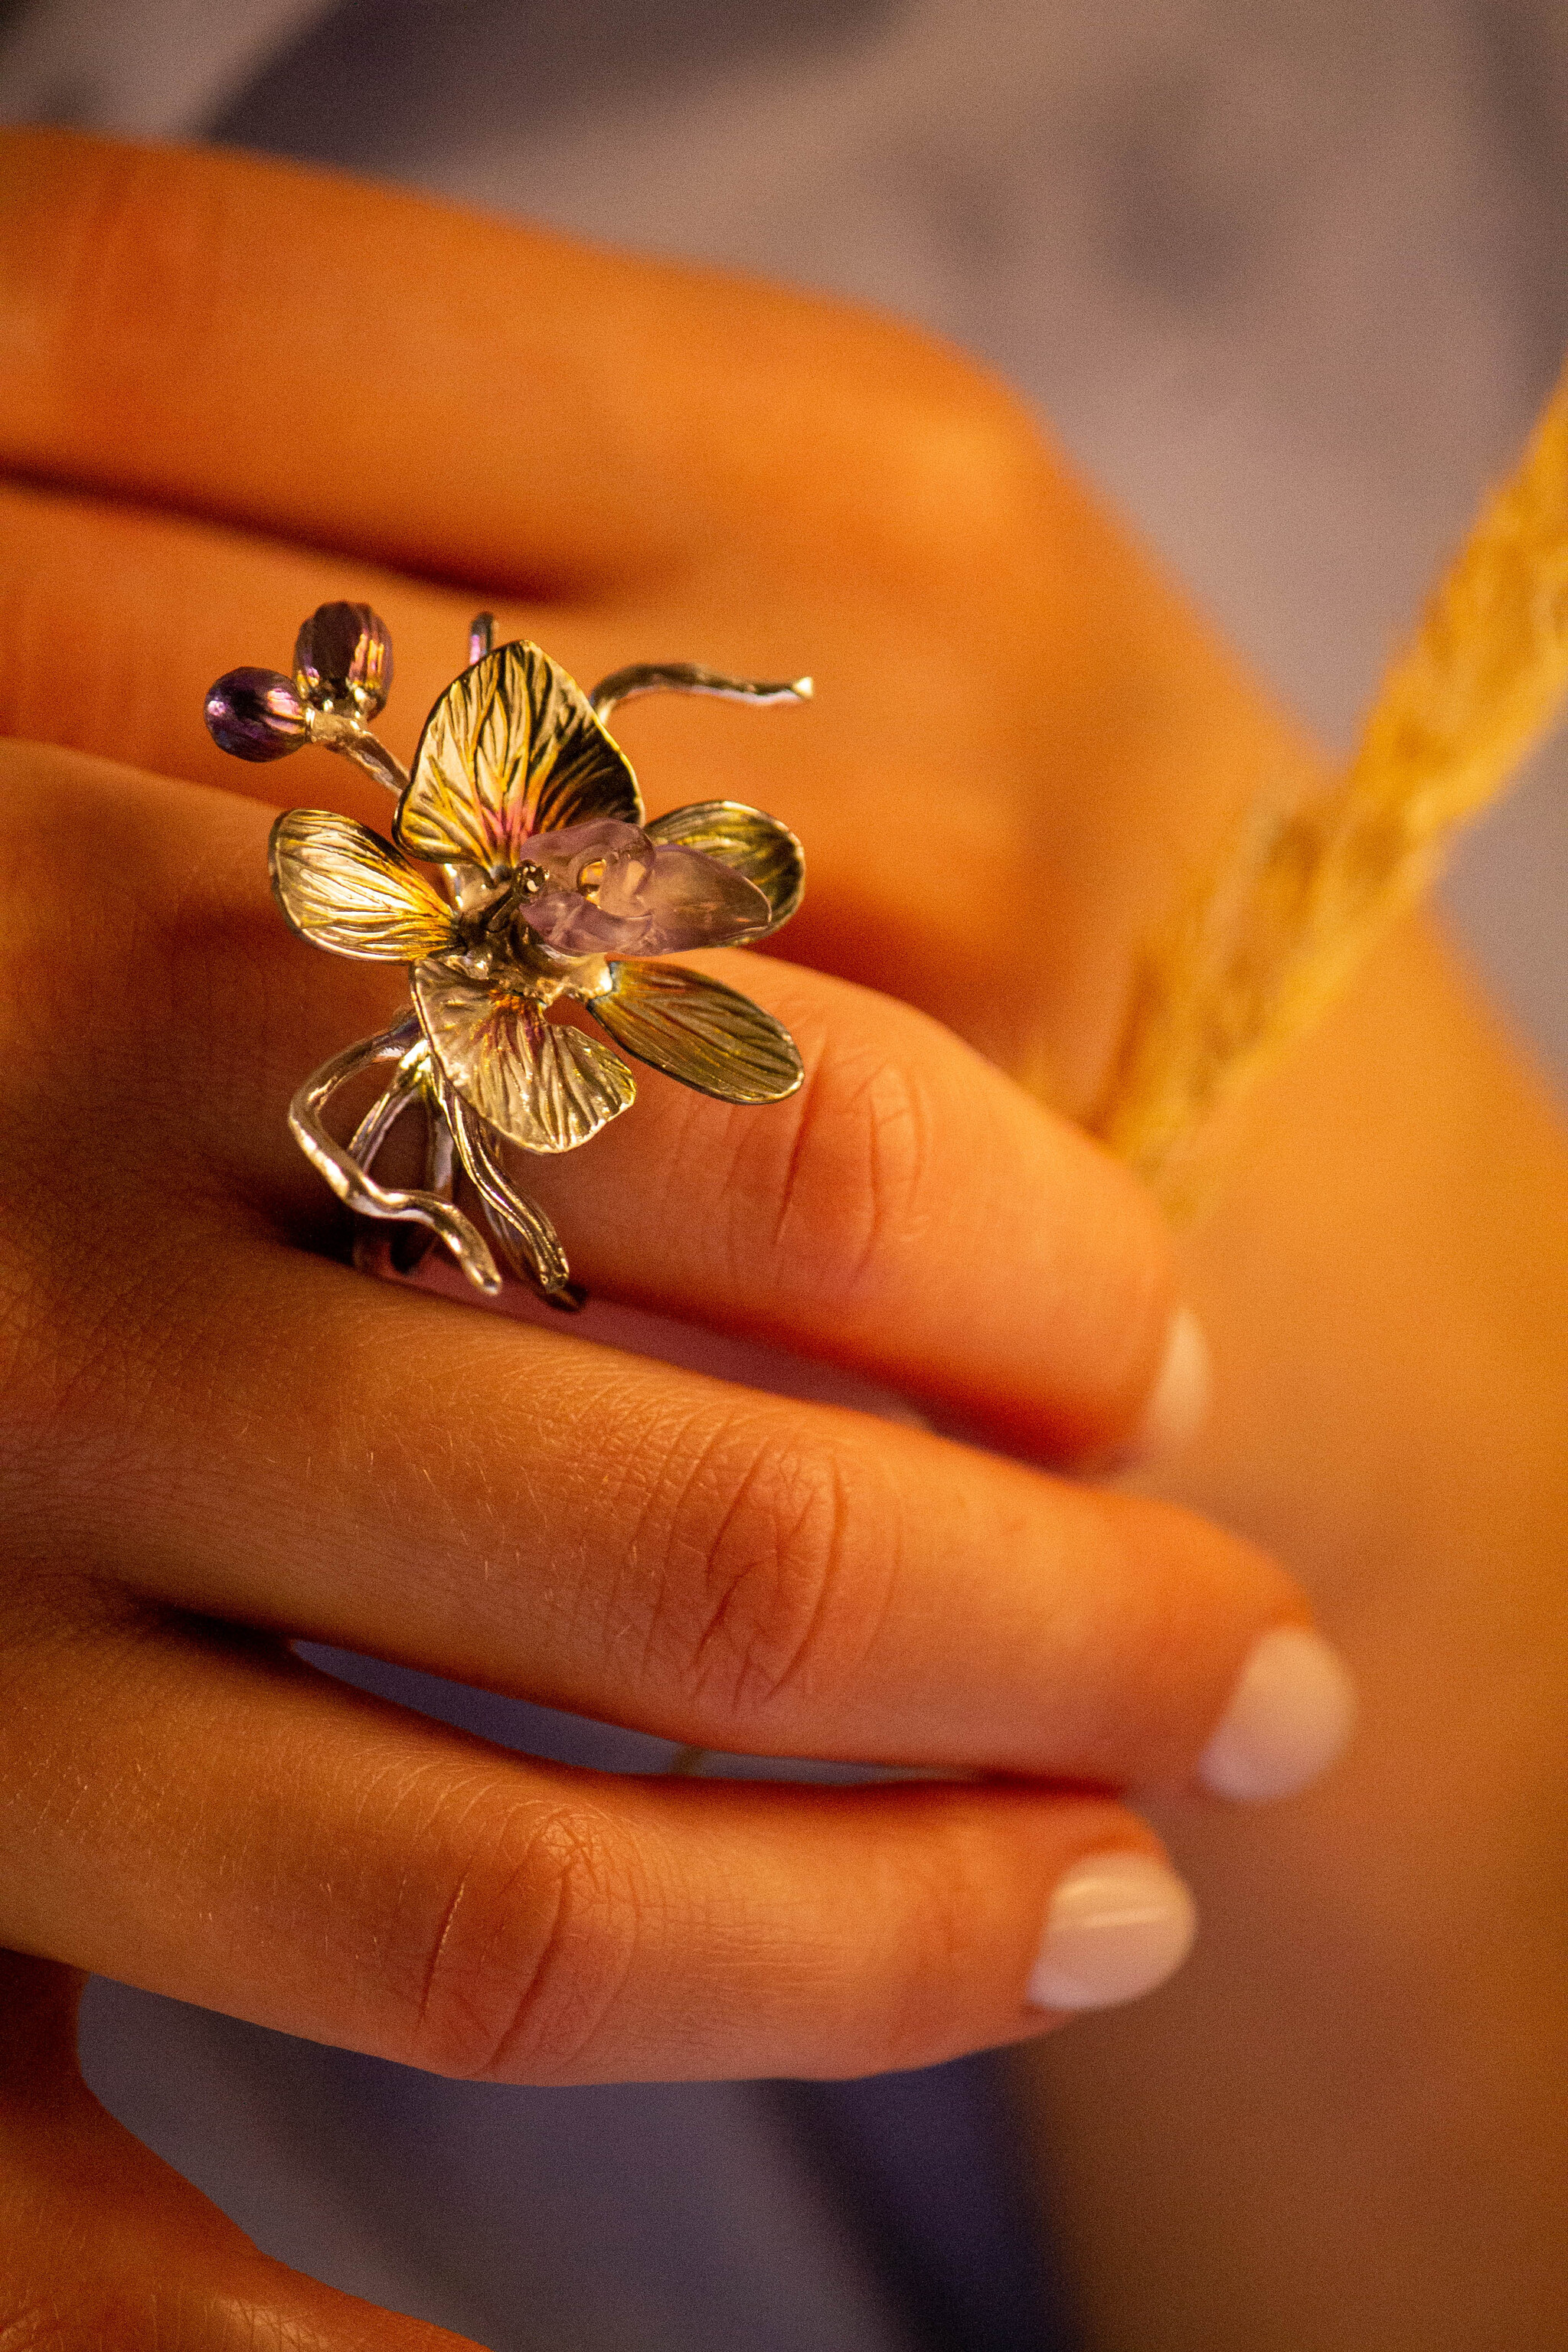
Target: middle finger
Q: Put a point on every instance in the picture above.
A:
(522, 1508)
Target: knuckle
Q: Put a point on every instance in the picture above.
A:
(779, 1562)
(947, 459)
(848, 1177)
(944, 1913)
(529, 1944)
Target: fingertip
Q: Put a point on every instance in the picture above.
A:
(1118, 1925)
(1290, 1718)
(1178, 1403)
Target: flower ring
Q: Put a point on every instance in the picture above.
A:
(548, 888)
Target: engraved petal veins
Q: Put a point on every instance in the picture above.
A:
(511, 748)
(541, 1083)
(524, 1231)
(708, 1036)
(342, 887)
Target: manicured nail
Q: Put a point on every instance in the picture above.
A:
(1118, 1925)
(1179, 1401)
(1290, 1716)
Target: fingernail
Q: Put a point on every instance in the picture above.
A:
(1118, 1925)
(1178, 1403)
(1290, 1716)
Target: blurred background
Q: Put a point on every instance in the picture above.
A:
(1288, 279)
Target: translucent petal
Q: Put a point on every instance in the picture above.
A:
(650, 899)
(562, 855)
(693, 901)
(511, 748)
(539, 1083)
(342, 887)
(706, 1036)
(749, 843)
(574, 926)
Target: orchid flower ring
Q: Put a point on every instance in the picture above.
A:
(520, 876)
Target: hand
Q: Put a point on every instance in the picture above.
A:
(229, 392)
(216, 1438)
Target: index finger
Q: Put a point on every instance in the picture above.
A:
(415, 383)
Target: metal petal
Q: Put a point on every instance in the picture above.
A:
(525, 1232)
(706, 1036)
(355, 1186)
(342, 887)
(539, 1083)
(511, 748)
(753, 845)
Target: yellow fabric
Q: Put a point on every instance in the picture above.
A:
(1265, 940)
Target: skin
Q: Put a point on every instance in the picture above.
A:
(1343, 2125)
(1021, 738)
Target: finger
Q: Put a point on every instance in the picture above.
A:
(909, 1213)
(253, 1435)
(299, 1854)
(105, 2245)
(116, 620)
(782, 485)
(740, 1572)
(762, 483)
(574, 418)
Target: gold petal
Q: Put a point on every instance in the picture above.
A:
(539, 1083)
(526, 1234)
(709, 1037)
(342, 887)
(511, 748)
(752, 844)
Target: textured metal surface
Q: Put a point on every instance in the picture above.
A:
(342, 887)
(523, 1230)
(541, 1083)
(538, 870)
(511, 748)
(708, 1036)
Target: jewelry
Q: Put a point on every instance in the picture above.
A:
(548, 888)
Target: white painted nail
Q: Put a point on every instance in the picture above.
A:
(1290, 1716)
(1178, 1403)
(1118, 1925)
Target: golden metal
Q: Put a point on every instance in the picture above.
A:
(512, 759)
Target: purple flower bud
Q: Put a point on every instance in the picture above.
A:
(256, 714)
(343, 654)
